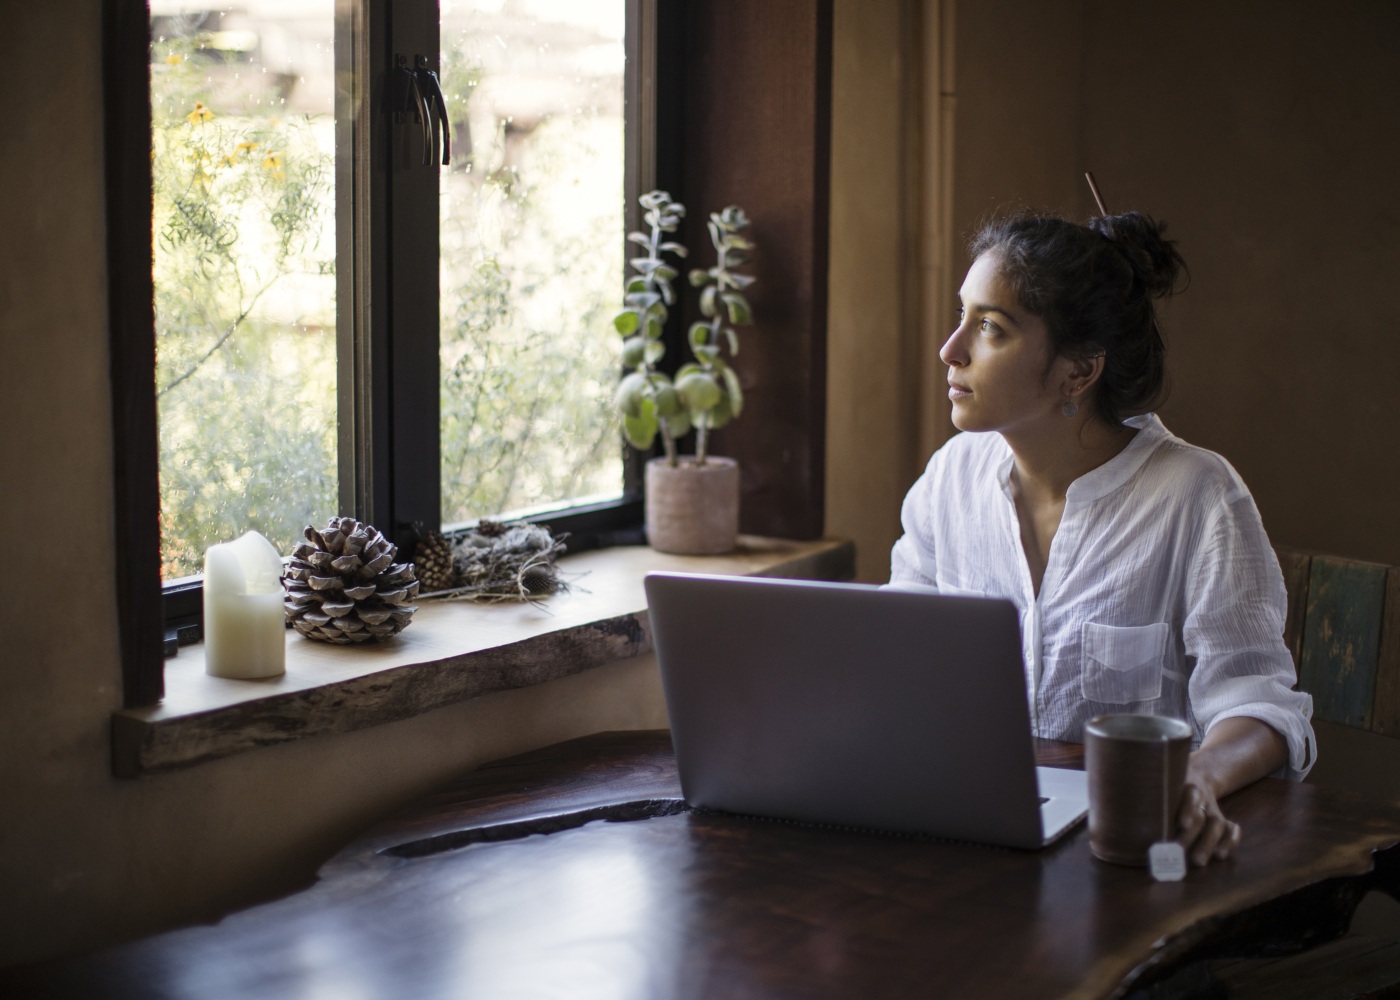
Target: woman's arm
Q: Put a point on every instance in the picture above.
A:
(1235, 752)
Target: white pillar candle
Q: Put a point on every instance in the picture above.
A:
(244, 632)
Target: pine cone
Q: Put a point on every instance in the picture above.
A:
(343, 585)
(433, 557)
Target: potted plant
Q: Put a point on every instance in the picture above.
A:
(692, 501)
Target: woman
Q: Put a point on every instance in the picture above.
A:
(1139, 563)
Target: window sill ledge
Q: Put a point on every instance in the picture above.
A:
(453, 651)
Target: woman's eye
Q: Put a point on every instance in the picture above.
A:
(987, 326)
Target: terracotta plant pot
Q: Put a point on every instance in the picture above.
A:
(693, 510)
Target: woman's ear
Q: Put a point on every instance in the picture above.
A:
(1081, 374)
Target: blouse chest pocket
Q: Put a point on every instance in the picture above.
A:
(1123, 664)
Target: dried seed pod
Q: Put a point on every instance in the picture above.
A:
(343, 586)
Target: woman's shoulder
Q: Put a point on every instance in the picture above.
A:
(1193, 470)
(967, 464)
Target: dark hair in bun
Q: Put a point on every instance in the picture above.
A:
(1094, 286)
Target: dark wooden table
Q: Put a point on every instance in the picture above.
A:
(503, 885)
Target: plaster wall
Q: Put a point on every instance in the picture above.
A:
(872, 322)
(1266, 134)
(1018, 120)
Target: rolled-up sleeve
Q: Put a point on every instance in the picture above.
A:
(1233, 633)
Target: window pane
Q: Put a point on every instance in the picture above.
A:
(531, 254)
(242, 151)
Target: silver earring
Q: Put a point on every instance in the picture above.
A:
(1070, 408)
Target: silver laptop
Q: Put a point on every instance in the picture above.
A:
(849, 704)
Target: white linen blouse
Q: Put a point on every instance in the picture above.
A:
(1161, 593)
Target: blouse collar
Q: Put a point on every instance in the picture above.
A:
(1100, 482)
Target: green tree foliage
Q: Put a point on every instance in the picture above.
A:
(245, 369)
(528, 369)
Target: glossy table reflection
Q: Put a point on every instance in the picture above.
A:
(576, 871)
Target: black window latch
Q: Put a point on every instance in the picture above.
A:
(420, 94)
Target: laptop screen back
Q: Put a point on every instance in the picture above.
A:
(848, 704)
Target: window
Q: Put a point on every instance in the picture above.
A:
(304, 239)
(398, 446)
(248, 201)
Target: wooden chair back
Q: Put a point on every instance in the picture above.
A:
(1343, 628)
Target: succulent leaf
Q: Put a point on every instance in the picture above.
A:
(698, 334)
(720, 414)
(626, 322)
(739, 312)
(642, 300)
(640, 430)
(634, 350)
(668, 402)
(679, 425)
(733, 392)
(699, 391)
(631, 394)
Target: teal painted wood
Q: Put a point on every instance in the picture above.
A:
(1341, 639)
(1385, 716)
(1296, 567)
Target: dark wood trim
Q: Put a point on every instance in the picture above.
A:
(131, 306)
(757, 109)
(414, 385)
(640, 95)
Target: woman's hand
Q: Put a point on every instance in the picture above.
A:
(1235, 752)
(1202, 828)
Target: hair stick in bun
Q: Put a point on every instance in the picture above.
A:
(1094, 188)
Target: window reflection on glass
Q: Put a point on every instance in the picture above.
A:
(531, 254)
(242, 153)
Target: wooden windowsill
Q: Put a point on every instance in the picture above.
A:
(452, 651)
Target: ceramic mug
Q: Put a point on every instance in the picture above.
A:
(1137, 775)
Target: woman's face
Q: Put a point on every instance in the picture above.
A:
(998, 357)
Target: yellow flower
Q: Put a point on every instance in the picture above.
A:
(199, 114)
(174, 59)
(273, 160)
(246, 147)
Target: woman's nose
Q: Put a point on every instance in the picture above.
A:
(952, 352)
